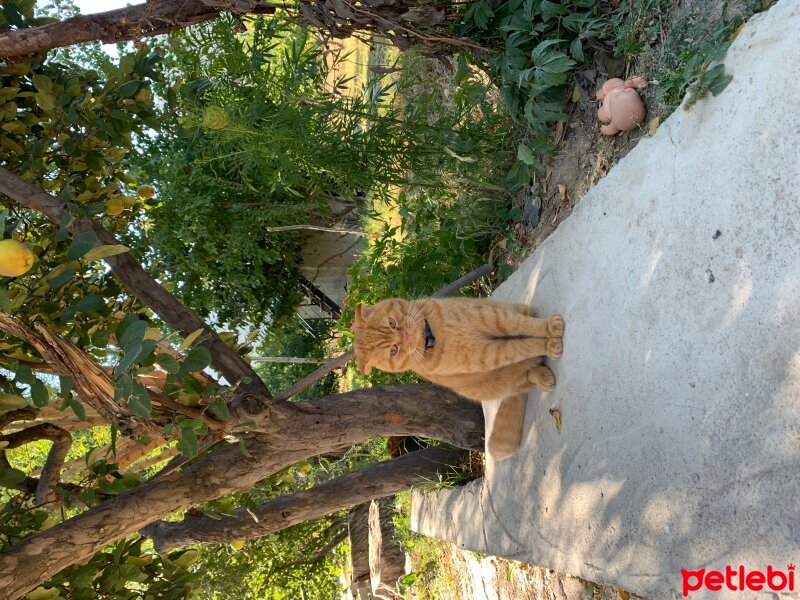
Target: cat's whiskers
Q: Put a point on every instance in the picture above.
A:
(418, 357)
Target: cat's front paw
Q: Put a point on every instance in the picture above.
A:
(555, 326)
(543, 377)
(554, 348)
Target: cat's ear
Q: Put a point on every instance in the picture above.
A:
(362, 312)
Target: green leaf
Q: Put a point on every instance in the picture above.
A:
(65, 386)
(25, 375)
(129, 89)
(481, 14)
(551, 10)
(517, 176)
(133, 334)
(576, 50)
(39, 393)
(168, 363)
(101, 252)
(17, 127)
(11, 402)
(197, 360)
(717, 79)
(42, 82)
(86, 304)
(45, 100)
(61, 278)
(3, 217)
(126, 64)
(139, 401)
(10, 477)
(147, 349)
(525, 155)
(77, 408)
(188, 442)
(109, 580)
(220, 409)
(132, 351)
(5, 300)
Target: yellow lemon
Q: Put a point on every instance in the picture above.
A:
(145, 192)
(15, 258)
(114, 206)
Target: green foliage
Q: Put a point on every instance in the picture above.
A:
(68, 129)
(256, 136)
(310, 339)
(437, 240)
(282, 565)
(124, 571)
(681, 51)
(538, 44)
(428, 236)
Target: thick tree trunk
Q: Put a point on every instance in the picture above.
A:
(358, 529)
(376, 481)
(292, 432)
(131, 23)
(386, 557)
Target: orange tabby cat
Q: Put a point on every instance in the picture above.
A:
(479, 348)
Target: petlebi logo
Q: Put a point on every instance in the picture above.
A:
(739, 579)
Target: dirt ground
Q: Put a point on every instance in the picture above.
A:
(583, 156)
(670, 38)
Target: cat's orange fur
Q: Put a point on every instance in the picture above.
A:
(483, 350)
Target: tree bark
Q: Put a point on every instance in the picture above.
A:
(358, 529)
(376, 481)
(395, 19)
(125, 24)
(62, 441)
(92, 382)
(293, 432)
(386, 557)
(138, 281)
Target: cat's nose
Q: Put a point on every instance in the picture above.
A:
(406, 335)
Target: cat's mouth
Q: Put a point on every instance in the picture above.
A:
(429, 339)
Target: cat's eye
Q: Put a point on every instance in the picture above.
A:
(392, 323)
(393, 350)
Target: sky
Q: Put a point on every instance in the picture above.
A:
(93, 6)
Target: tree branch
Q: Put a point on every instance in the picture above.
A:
(91, 381)
(138, 281)
(295, 431)
(125, 24)
(315, 228)
(376, 481)
(51, 472)
(22, 414)
(29, 485)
